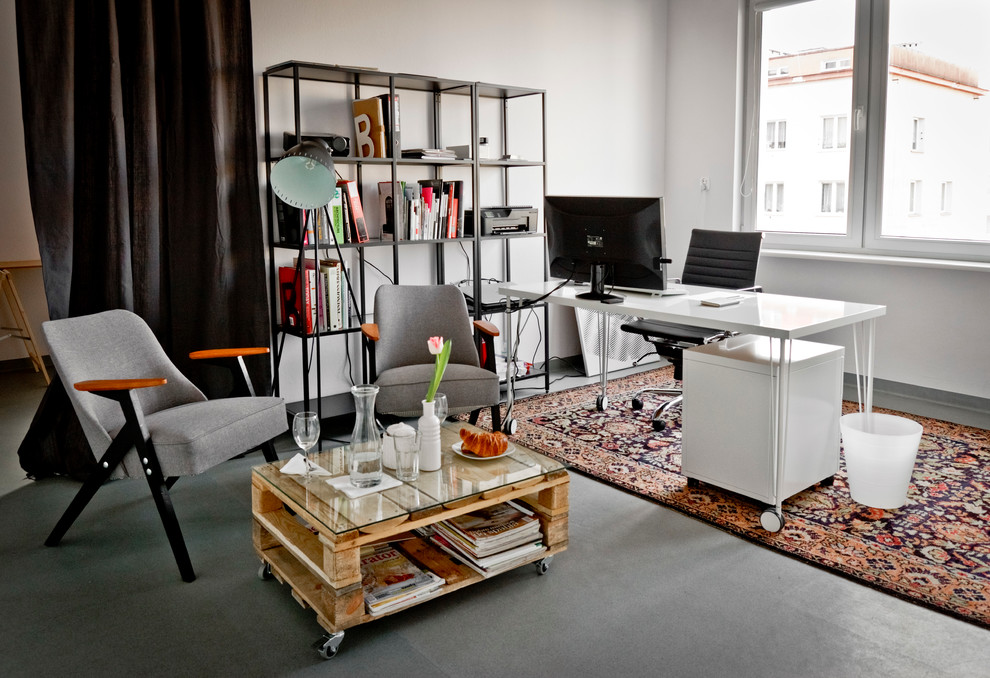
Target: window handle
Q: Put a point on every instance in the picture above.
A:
(860, 119)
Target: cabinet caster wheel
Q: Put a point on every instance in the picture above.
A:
(543, 566)
(693, 482)
(510, 426)
(601, 404)
(265, 571)
(659, 425)
(636, 404)
(327, 646)
(772, 520)
(828, 482)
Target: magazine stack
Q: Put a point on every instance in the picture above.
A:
(390, 580)
(492, 539)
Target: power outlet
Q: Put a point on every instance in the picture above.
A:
(705, 184)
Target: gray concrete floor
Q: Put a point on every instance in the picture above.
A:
(641, 591)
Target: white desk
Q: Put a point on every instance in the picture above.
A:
(777, 316)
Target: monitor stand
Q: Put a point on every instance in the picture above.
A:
(598, 292)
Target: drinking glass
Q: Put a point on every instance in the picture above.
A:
(407, 457)
(440, 406)
(306, 432)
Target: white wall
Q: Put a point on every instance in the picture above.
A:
(601, 63)
(17, 239)
(933, 335)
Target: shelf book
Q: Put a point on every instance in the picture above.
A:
(390, 580)
(431, 209)
(352, 203)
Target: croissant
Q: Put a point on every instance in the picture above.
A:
(484, 444)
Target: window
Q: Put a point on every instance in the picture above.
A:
(918, 135)
(914, 198)
(773, 198)
(777, 134)
(898, 93)
(833, 197)
(835, 131)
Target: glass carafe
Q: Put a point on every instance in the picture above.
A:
(365, 453)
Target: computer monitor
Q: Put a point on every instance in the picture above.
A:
(608, 242)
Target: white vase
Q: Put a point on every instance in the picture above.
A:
(429, 444)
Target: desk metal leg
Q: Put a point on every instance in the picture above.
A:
(602, 403)
(772, 519)
(509, 424)
(864, 339)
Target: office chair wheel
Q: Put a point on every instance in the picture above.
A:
(265, 571)
(636, 404)
(601, 404)
(772, 520)
(659, 425)
(327, 645)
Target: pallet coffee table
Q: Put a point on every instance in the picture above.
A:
(309, 535)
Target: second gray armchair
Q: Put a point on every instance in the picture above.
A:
(402, 366)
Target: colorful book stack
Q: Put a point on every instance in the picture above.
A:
(391, 581)
(321, 303)
(492, 539)
(430, 210)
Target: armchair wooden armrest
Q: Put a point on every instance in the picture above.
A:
(220, 353)
(486, 328)
(100, 385)
(370, 331)
(233, 360)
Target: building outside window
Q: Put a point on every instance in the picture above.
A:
(914, 199)
(865, 76)
(777, 134)
(835, 131)
(833, 197)
(773, 198)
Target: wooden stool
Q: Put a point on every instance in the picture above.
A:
(22, 328)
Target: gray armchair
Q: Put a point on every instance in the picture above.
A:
(142, 417)
(402, 366)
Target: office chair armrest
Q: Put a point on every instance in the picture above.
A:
(99, 386)
(754, 288)
(486, 327)
(222, 353)
(370, 331)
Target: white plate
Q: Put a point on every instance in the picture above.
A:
(467, 454)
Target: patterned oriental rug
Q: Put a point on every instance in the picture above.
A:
(935, 550)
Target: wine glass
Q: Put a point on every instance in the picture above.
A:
(306, 432)
(440, 406)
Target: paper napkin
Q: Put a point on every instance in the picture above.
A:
(343, 483)
(297, 467)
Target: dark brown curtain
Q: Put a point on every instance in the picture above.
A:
(139, 123)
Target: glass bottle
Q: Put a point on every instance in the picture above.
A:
(365, 453)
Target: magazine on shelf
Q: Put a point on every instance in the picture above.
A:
(525, 554)
(389, 579)
(489, 524)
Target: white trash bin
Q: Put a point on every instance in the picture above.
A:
(880, 451)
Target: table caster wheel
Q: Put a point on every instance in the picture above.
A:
(265, 571)
(510, 426)
(772, 520)
(601, 404)
(543, 566)
(636, 404)
(327, 646)
(659, 425)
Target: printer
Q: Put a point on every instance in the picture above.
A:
(502, 220)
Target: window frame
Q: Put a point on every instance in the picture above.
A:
(867, 122)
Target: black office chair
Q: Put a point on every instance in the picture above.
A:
(723, 259)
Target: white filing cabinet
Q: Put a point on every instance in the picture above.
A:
(726, 436)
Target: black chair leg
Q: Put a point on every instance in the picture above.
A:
(120, 445)
(268, 449)
(473, 417)
(163, 501)
(496, 418)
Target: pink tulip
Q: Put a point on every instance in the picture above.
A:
(435, 344)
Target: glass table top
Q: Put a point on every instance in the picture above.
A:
(458, 478)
